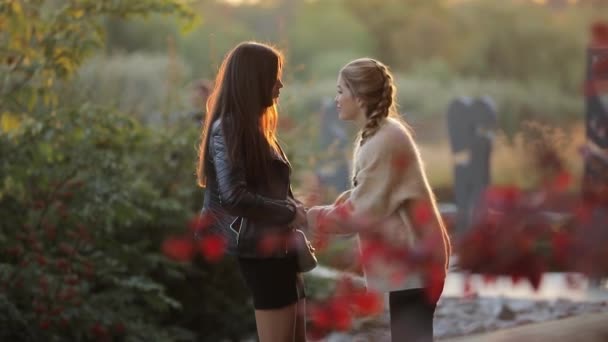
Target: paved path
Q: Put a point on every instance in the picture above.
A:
(587, 328)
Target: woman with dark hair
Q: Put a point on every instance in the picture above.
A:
(248, 192)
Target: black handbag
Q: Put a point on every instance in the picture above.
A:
(304, 251)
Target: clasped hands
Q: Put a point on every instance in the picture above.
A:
(307, 218)
(300, 221)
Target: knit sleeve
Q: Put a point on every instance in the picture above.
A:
(387, 174)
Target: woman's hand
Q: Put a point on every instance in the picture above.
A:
(300, 220)
(316, 236)
(314, 214)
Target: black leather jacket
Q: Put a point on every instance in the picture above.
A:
(251, 220)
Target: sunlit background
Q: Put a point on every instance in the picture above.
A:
(101, 105)
(529, 56)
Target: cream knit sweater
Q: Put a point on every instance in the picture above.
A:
(388, 179)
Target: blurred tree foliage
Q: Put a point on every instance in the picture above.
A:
(509, 44)
(402, 30)
(477, 38)
(46, 41)
(88, 194)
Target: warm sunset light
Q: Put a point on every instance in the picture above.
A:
(303, 170)
(241, 2)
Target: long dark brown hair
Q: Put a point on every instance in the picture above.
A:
(243, 99)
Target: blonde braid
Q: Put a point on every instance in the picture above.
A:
(382, 108)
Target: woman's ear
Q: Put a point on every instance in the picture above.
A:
(360, 103)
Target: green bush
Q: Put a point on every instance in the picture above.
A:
(88, 194)
(87, 198)
(81, 228)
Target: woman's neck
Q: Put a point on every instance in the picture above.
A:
(361, 121)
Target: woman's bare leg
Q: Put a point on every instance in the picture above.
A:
(277, 325)
(301, 321)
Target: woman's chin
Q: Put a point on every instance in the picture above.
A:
(341, 116)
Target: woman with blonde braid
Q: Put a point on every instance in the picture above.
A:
(384, 205)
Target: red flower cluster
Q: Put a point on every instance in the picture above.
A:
(599, 34)
(337, 313)
(524, 234)
(378, 250)
(183, 248)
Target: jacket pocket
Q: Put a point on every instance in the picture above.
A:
(236, 226)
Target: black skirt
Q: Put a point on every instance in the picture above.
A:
(274, 283)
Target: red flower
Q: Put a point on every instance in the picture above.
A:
(535, 279)
(343, 211)
(67, 249)
(599, 33)
(367, 303)
(489, 279)
(582, 212)
(315, 333)
(270, 243)
(41, 260)
(66, 195)
(213, 247)
(502, 197)
(119, 328)
(14, 251)
(324, 221)
(600, 67)
(45, 324)
(400, 162)
(320, 242)
(51, 232)
(43, 282)
(62, 209)
(36, 246)
(561, 243)
(333, 315)
(200, 222)
(38, 205)
(89, 271)
(83, 233)
(423, 213)
(398, 277)
(57, 311)
(562, 181)
(179, 249)
(99, 330)
(523, 244)
(435, 280)
(72, 280)
(39, 307)
(594, 87)
(342, 320)
(320, 316)
(370, 250)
